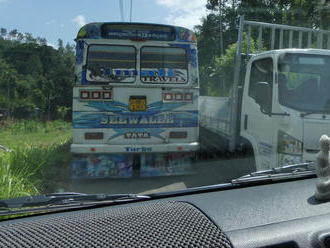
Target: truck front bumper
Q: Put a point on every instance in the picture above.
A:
(104, 148)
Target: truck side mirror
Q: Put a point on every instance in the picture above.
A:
(263, 96)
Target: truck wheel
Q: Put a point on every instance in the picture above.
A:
(247, 154)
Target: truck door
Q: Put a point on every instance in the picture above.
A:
(256, 121)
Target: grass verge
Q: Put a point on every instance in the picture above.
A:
(39, 160)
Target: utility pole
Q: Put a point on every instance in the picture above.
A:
(222, 83)
(220, 28)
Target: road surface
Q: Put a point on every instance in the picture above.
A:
(206, 172)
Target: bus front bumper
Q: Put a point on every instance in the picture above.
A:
(162, 148)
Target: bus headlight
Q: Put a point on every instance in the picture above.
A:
(289, 149)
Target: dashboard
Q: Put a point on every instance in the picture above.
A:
(278, 215)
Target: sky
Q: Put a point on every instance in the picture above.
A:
(54, 19)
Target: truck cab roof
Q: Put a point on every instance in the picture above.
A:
(295, 50)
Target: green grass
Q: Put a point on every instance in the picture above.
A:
(25, 133)
(13, 183)
(39, 160)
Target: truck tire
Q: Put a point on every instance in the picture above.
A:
(248, 154)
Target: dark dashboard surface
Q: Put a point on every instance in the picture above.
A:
(259, 205)
(273, 215)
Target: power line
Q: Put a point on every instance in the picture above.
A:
(121, 7)
(130, 14)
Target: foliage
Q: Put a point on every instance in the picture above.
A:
(224, 66)
(13, 183)
(35, 79)
(32, 126)
(26, 132)
(31, 167)
(224, 15)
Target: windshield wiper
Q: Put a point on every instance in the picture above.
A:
(278, 173)
(69, 200)
(65, 199)
(315, 112)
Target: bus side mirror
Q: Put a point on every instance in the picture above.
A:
(264, 96)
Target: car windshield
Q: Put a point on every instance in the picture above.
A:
(140, 97)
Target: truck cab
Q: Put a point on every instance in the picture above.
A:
(286, 105)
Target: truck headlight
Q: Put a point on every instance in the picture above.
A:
(290, 149)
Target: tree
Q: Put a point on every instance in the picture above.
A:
(13, 34)
(25, 58)
(29, 38)
(60, 46)
(324, 15)
(41, 41)
(224, 66)
(8, 77)
(35, 76)
(20, 37)
(224, 16)
(3, 32)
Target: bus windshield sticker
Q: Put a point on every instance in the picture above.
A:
(164, 65)
(138, 31)
(154, 75)
(111, 63)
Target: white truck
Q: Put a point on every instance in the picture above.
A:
(282, 106)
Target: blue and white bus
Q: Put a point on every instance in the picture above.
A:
(135, 101)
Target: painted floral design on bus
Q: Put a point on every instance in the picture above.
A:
(91, 31)
(80, 52)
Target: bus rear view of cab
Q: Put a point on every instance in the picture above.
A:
(135, 102)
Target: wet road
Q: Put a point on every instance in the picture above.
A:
(206, 172)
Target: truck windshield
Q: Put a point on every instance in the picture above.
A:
(304, 82)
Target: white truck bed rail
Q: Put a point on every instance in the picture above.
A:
(305, 37)
(214, 114)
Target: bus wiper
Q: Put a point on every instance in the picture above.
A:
(67, 198)
(278, 173)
